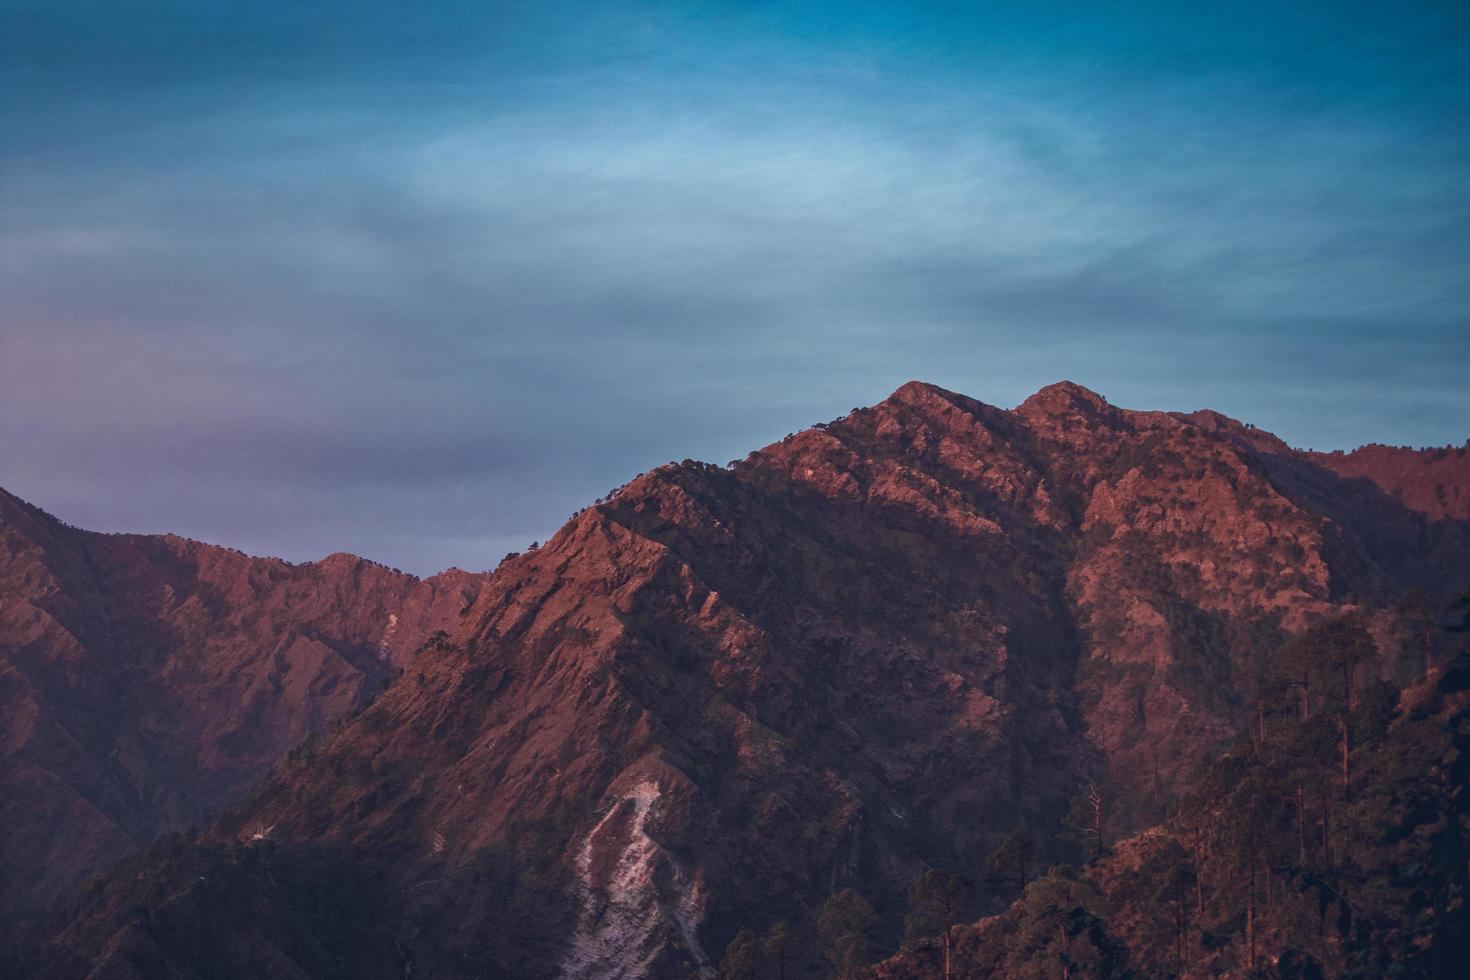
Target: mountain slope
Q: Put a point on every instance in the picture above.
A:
(1270, 865)
(724, 694)
(144, 680)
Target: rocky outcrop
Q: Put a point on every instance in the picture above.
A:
(637, 900)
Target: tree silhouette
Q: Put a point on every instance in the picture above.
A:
(1084, 819)
(845, 926)
(1007, 867)
(777, 945)
(741, 957)
(938, 901)
(1172, 875)
(1052, 930)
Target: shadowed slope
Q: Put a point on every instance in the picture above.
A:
(144, 680)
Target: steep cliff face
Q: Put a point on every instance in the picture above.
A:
(145, 680)
(726, 693)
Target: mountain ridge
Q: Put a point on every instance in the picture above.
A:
(150, 678)
(865, 649)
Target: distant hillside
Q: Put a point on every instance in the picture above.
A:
(145, 680)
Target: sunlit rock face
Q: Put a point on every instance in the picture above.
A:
(876, 646)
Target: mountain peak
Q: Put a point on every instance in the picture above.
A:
(1064, 398)
(920, 392)
(930, 398)
(1069, 394)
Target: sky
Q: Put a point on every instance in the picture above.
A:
(416, 280)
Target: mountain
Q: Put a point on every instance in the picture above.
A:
(724, 694)
(145, 680)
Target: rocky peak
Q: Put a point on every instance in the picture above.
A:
(920, 394)
(1065, 398)
(1258, 440)
(931, 398)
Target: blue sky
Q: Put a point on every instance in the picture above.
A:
(417, 280)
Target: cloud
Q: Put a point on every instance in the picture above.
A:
(300, 288)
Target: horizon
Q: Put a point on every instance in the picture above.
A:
(419, 282)
(490, 565)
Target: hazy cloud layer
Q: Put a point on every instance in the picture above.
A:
(419, 282)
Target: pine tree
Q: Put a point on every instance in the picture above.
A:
(1171, 875)
(938, 900)
(1008, 866)
(845, 925)
(777, 945)
(741, 957)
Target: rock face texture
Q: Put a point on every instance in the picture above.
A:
(146, 680)
(726, 693)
